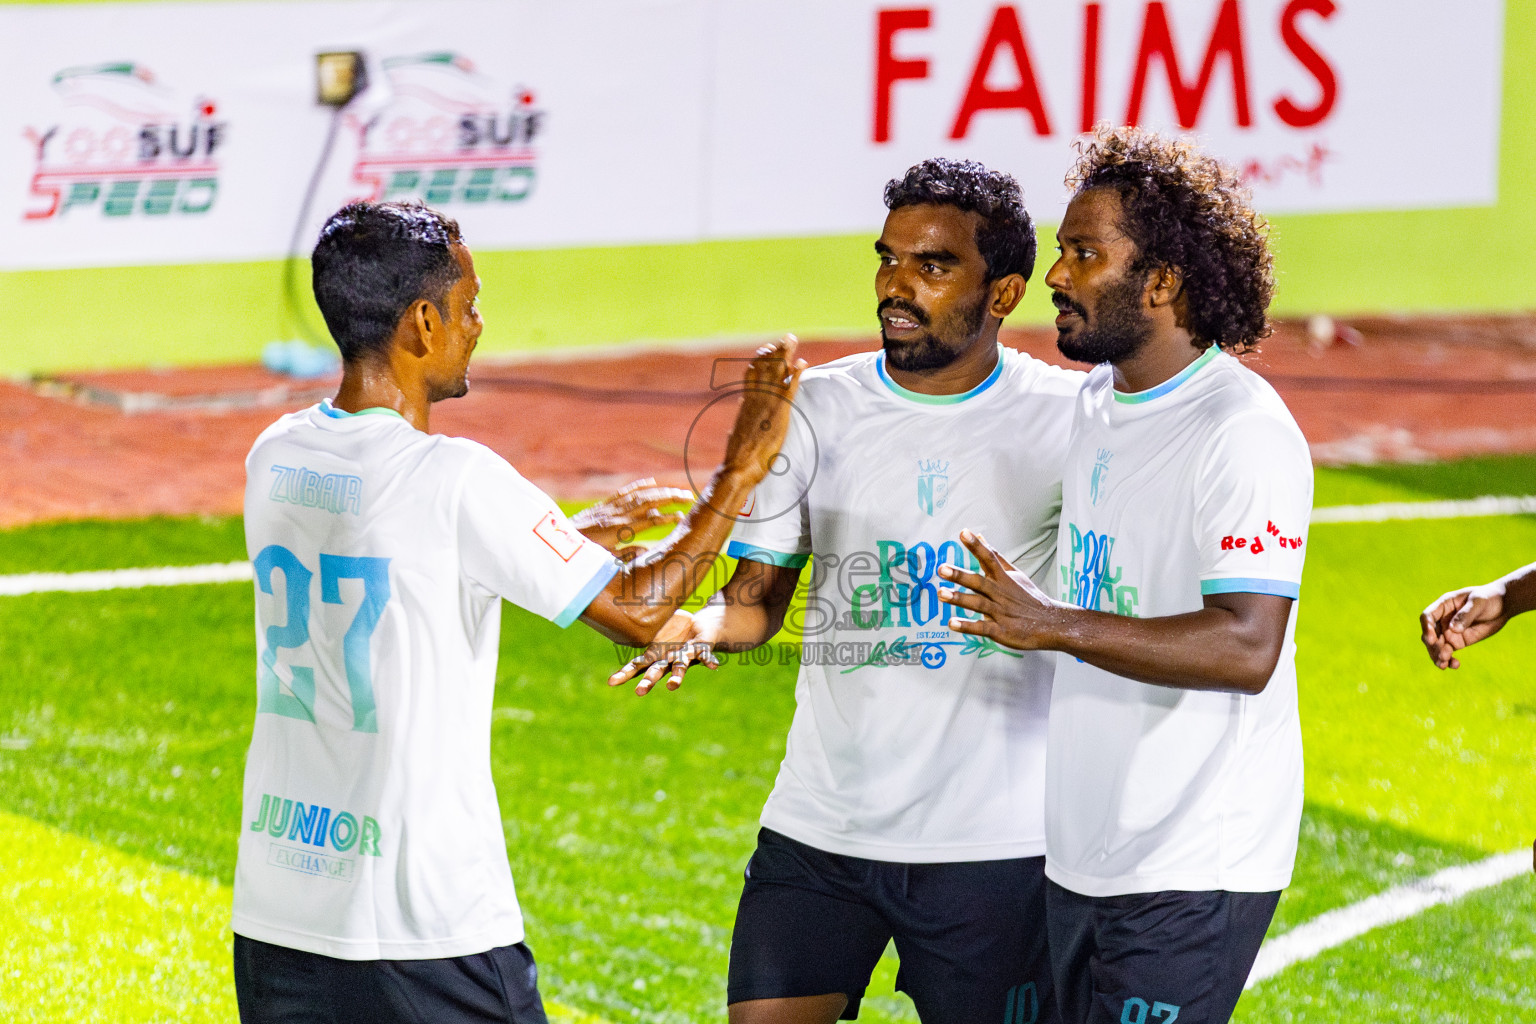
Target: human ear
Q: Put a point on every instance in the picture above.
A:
(429, 326)
(1165, 286)
(1005, 294)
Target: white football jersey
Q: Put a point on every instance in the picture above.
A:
(1202, 485)
(371, 828)
(912, 742)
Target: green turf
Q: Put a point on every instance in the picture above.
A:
(121, 544)
(1468, 963)
(1430, 481)
(124, 718)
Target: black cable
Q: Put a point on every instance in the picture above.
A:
(295, 308)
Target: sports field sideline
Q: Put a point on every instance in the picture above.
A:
(124, 717)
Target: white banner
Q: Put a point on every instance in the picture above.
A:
(169, 133)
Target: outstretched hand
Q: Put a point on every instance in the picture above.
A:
(1018, 613)
(615, 521)
(678, 647)
(762, 422)
(1462, 618)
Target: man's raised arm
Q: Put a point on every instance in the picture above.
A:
(640, 599)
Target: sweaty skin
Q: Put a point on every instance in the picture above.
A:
(930, 279)
(1234, 642)
(428, 361)
(940, 316)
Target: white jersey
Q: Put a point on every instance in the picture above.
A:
(371, 828)
(912, 742)
(1202, 485)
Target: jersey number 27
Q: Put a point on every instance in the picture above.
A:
(300, 703)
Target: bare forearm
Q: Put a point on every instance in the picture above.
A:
(736, 625)
(652, 588)
(1519, 590)
(1205, 650)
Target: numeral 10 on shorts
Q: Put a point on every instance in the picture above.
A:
(300, 701)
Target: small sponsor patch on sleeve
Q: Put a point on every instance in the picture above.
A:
(562, 540)
(748, 505)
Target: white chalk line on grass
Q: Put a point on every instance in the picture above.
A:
(123, 579)
(1337, 927)
(1488, 505)
(233, 572)
(1300, 943)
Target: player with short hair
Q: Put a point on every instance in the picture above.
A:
(909, 802)
(372, 883)
(1174, 771)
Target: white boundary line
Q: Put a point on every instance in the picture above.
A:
(1488, 505)
(119, 579)
(1337, 927)
(233, 572)
(1300, 943)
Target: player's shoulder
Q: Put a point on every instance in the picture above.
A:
(850, 371)
(1236, 393)
(1246, 420)
(284, 430)
(1023, 372)
(831, 386)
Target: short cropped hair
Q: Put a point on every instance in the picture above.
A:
(1187, 210)
(1006, 235)
(373, 260)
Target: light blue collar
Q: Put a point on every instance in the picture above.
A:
(1168, 385)
(340, 414)
(919, 397)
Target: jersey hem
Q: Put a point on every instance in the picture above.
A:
(586, 595)
(366, 949)
(1250, 585)
(900, 853)
(754, 553)
(1094, 886)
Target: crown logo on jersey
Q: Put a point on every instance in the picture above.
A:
(932, 484)
(1097, 484)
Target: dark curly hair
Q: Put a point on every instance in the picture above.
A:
(1190, 211)
(1006, 235)
(373, 260)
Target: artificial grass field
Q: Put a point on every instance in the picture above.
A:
(124, 719)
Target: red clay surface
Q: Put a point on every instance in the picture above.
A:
(579, 427)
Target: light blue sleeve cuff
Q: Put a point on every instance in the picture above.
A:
(752, 553)
(584, 596)
(1239, 585)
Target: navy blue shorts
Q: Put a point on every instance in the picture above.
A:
(970, 935)
(278, 985)
(1155, 957)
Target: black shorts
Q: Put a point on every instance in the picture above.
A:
(278, 985)
(1155, 957)
(970, 935)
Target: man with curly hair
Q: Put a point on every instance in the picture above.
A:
(910, 804)
(1174, 771)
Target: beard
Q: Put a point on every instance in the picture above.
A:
(937, 346)
(1120, 328)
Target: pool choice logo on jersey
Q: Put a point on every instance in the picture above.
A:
(1088, 580)
(124, 145)
(315, 826)
(448, 135)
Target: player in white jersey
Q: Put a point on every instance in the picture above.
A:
(372, 882)
(1174, 773)
(910, 800)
